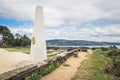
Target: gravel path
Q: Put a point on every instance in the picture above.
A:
(67, 72)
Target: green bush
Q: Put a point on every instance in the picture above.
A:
(112, 66)
(34, 76)
(113, 53)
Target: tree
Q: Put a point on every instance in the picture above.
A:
(21, 40)
(10, 40)
(7, 35)
(25, 41)
(18, 36)
(18, 40)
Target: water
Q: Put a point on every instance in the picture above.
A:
(92, 46)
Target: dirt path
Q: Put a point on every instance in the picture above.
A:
(67, 72)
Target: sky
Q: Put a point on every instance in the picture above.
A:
(93, 20)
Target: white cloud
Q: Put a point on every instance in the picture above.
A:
(107, 33)
(109, 7)
(62, 17)
(56, 11)
(22, 30)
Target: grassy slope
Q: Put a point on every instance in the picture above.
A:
(93, 68)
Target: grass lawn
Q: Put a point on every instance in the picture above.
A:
(24, 50)
(93, 68)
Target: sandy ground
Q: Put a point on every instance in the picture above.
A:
(12, 60)
(67, 72)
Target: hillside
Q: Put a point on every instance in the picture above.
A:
(62, 42)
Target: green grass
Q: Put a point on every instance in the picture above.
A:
(24, 50)
(93, 68)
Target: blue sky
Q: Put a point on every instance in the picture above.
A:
(14, 23)
(94, 20)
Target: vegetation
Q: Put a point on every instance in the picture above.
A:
(21, 40)
(112, 64)
(101, 65)
(7, 35)
(10, 40)
(19, 49)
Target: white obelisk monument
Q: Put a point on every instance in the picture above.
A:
(38, 44)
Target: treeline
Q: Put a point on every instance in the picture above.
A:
(9, 40)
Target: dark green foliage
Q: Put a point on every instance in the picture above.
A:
(49, 68)
(25, 40)
(113, 47)
(34, 76)
(21, 40)
(104, 49)
(112, 66)
(113, 53)
(8, 37)
(9, 40)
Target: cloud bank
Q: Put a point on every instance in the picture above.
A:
(97, 20)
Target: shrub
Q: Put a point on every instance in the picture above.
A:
(112, 65)
(34, 76)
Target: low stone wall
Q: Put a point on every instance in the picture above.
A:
(18, 74)
(21, 73)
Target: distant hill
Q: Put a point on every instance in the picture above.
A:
(62, 42)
